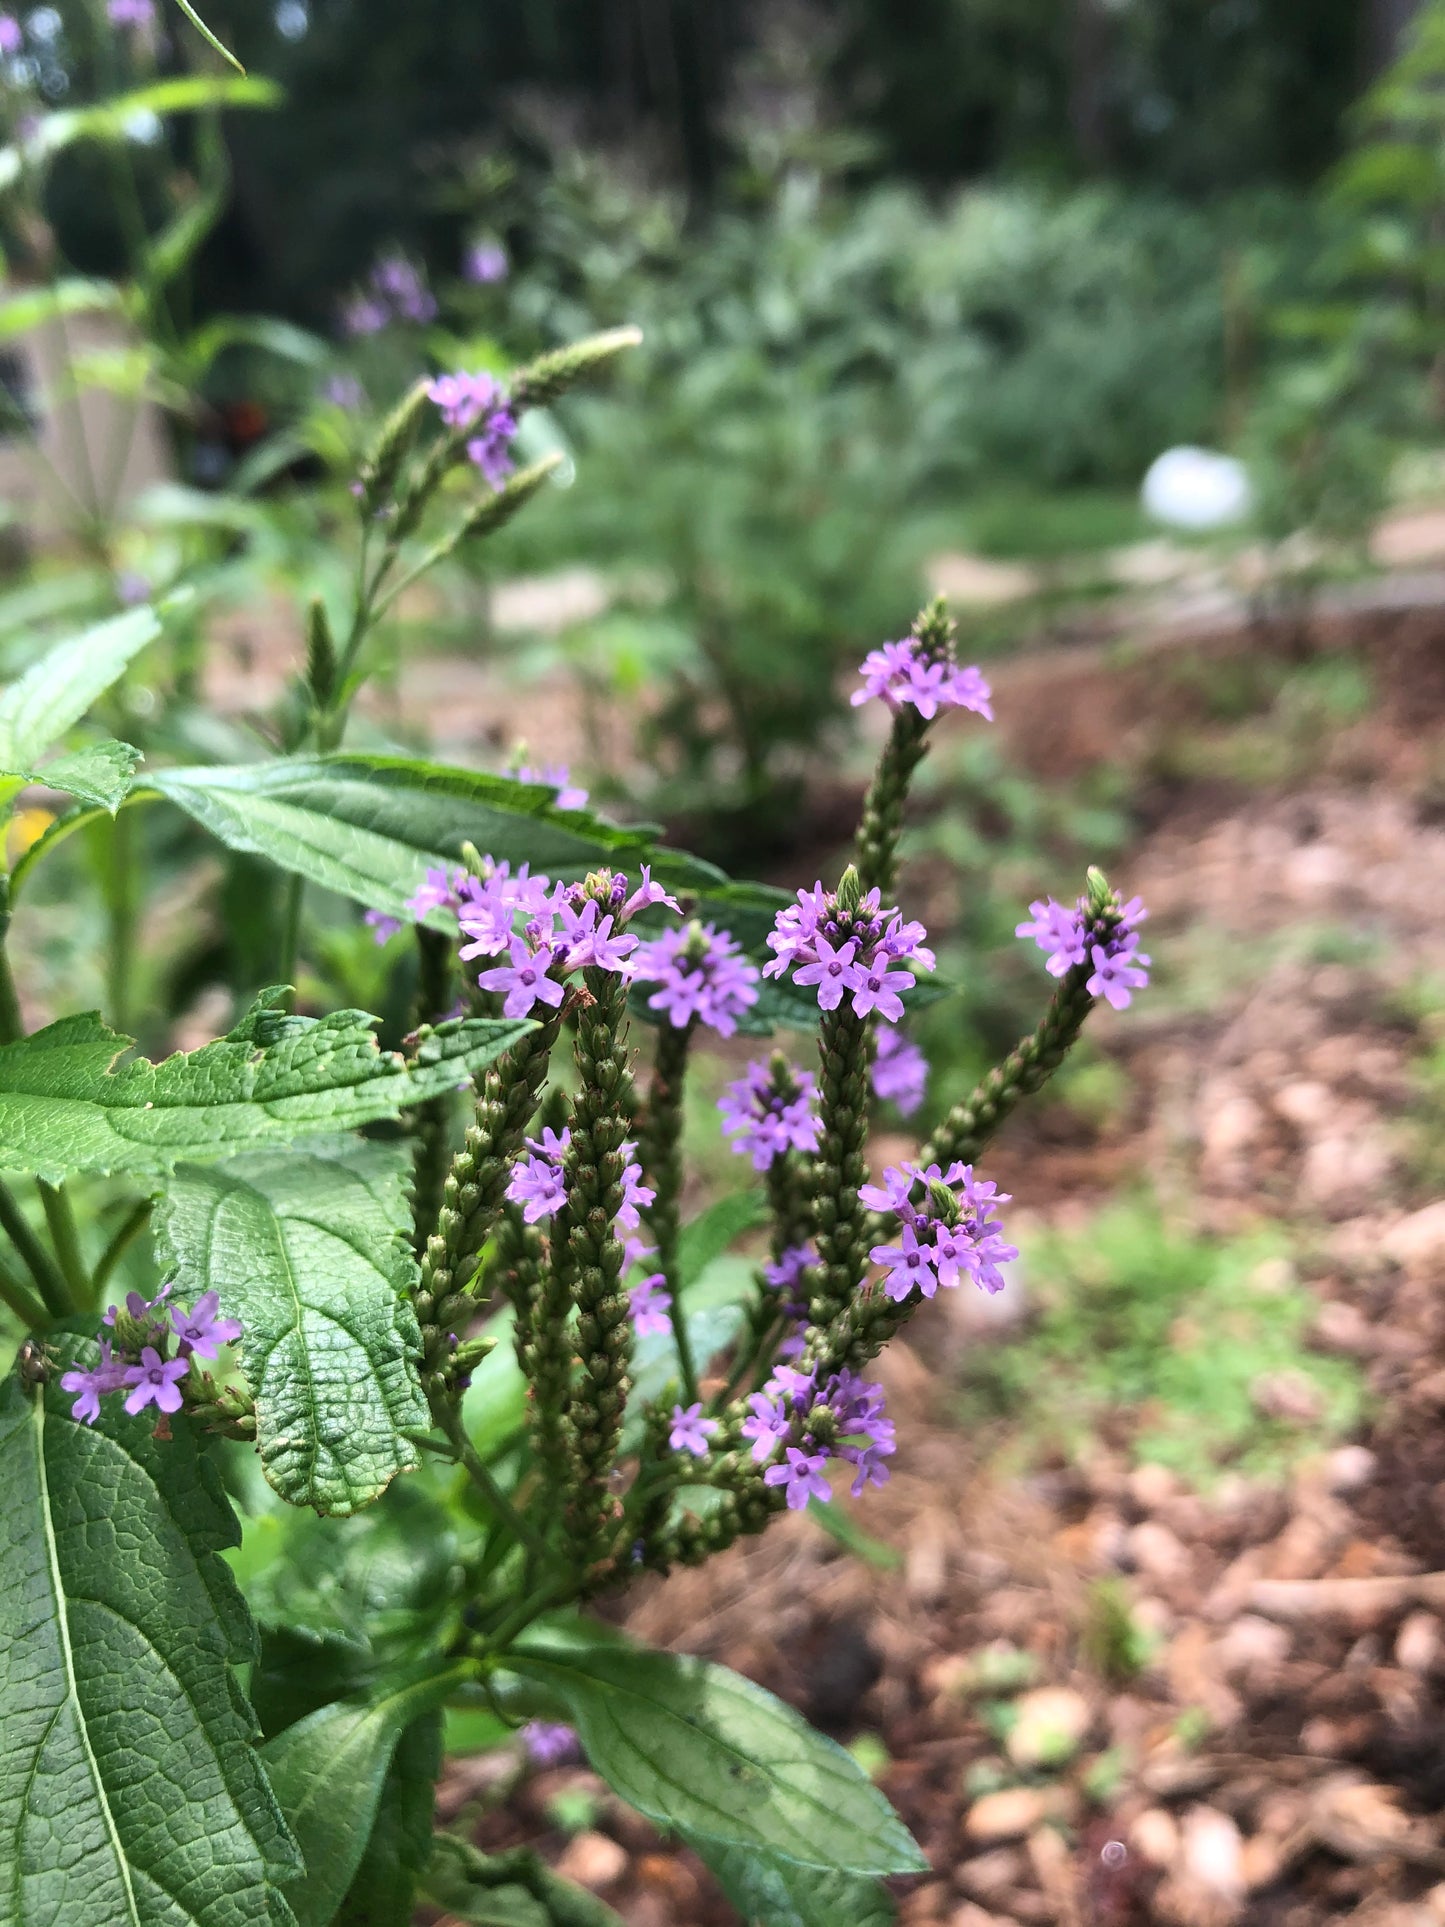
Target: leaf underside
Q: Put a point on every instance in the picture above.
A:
(769, 1888)
(270, 1081)
(130, 1793)
(309, 1249)
(700, 1749)
(55, 692)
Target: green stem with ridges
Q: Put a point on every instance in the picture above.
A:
(37, 1260)
(845, 1048)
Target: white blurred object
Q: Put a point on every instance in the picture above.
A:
(1194, 488)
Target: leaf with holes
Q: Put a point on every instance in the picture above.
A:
(273, 1079)
(130, 1792)
(309, 1249)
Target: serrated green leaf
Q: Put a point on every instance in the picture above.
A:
(56, 692)
(130, 1793)
(327, 1772)
(270, 1081)
(310, 1249)
(370, 826)
(99, 775)
(383, 1889)
(703, 1750)
(767, 1888)
(512, 1889)
(711, 1232)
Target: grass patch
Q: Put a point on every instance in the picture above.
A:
(1135, 1317)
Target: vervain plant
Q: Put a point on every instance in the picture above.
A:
(337, 1301)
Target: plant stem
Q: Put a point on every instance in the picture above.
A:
(65, 1235)
(522, 1615)
(447, 1414)
(119, 888)
(21, 1300)
(38, 1261)
(133, 1225)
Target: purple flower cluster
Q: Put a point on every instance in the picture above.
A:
(952, 1234)
(564, 926)
(485, 262)
(1070, 937)
(130, 13)
(701, 973)
(150, 1377)
(900, 1071)
(841, 1418)
(900, 672)
(395, 290)
(479, 402)
(848, 954)
(538, 1183)
(766, 1121)
(12, 37)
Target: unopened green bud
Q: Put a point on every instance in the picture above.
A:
(543, 380)
(942, 1202)
(132, 1335)
(468, 1356)
(850, 891)
(473, 862)
(936, 630)
(320, 655)
(515, 493)
(393, 442)
(1097, 888)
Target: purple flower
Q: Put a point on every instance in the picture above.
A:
(486, 261)
(1072, 937)
(382, 926)
(524, 980)
(130, 13)
(559, 777)
(437, 893)
(901, 673)
(910, 1266)
(138, 1307)
(900, 1071)
(832, 970)
(765, 1121)
(634, 1191)
(463, 399)
(548, 1742)
(361, 315)
(400, 283)
(536, 1182)
(702, 974)
(487, 907)
(767, 1425)
(635, 1252)
(1117, 974)
(690, 1430)
(647, 892)
(156, 1381)
(877, 988)
(201, 1331)
(92, 1385)
(490, 449)
(651, 1302)
(802, 1474)
(344, 391)
(586, 936)
(12, 39)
